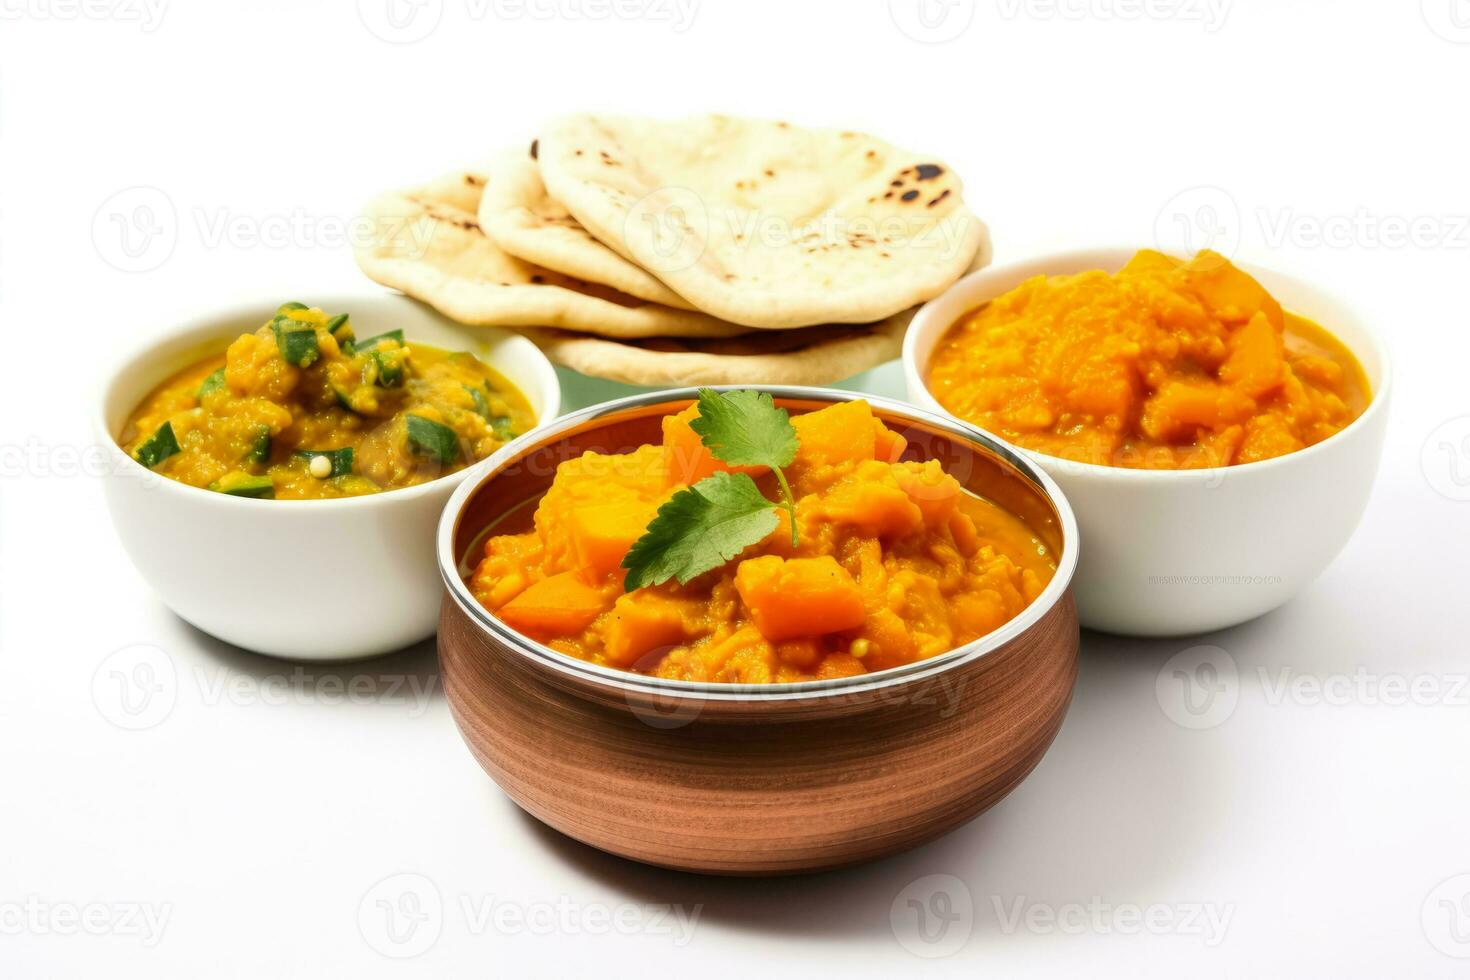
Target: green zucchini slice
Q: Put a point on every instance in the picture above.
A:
(241, 484)
(503, 429)
(387, 369)
(297, 341)
(372, 342)
(158, 447)
(260, 450)
(429, 438)
(482, 404)
(341, 459)
(214, 382)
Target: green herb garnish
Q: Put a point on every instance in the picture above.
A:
(704, 526)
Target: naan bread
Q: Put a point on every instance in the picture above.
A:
(764, 223)
(428, 243)
(520, 217)
(805, 356)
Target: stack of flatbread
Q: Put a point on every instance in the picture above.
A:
(709, 250)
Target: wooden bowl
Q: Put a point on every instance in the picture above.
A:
(754, 779)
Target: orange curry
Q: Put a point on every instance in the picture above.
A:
(1165, 365)
(895, 562)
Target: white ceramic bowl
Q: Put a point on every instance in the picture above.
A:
(1166, 553)
(306, 579)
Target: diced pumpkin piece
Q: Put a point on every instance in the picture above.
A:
(1180, 407)
(602, 533)
(875, 509)
(790, 598)
(641, 622)
(1146, 261)
(932, 490)
(836, 665)
(1257, 361)
(686, 460)
(836, 434)
(1231, 294)
(887, 444)
(557, 606)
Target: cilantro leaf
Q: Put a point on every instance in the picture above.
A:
(699, 529)
(745, 428)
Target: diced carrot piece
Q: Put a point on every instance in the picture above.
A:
(562, 605)
(887, 444)
(1257, 361)
(1232, 295)
(790, 598)
(836, 434)
(875, 509)
(602, 533)
(642, 621)
(686, 460)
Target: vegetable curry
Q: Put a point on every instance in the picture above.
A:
(892, 561)
(1165, 365)
(303, 409)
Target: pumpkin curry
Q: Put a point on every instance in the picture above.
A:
(892, 560)
(302, 409)
(1165, 365)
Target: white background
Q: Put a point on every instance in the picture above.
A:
(260, 814)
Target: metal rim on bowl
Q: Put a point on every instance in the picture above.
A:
(1095, 257)
(629, 682)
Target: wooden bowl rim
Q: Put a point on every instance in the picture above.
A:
(625, 682)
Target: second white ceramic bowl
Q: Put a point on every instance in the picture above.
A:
(1166, 553)
(305, 579)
